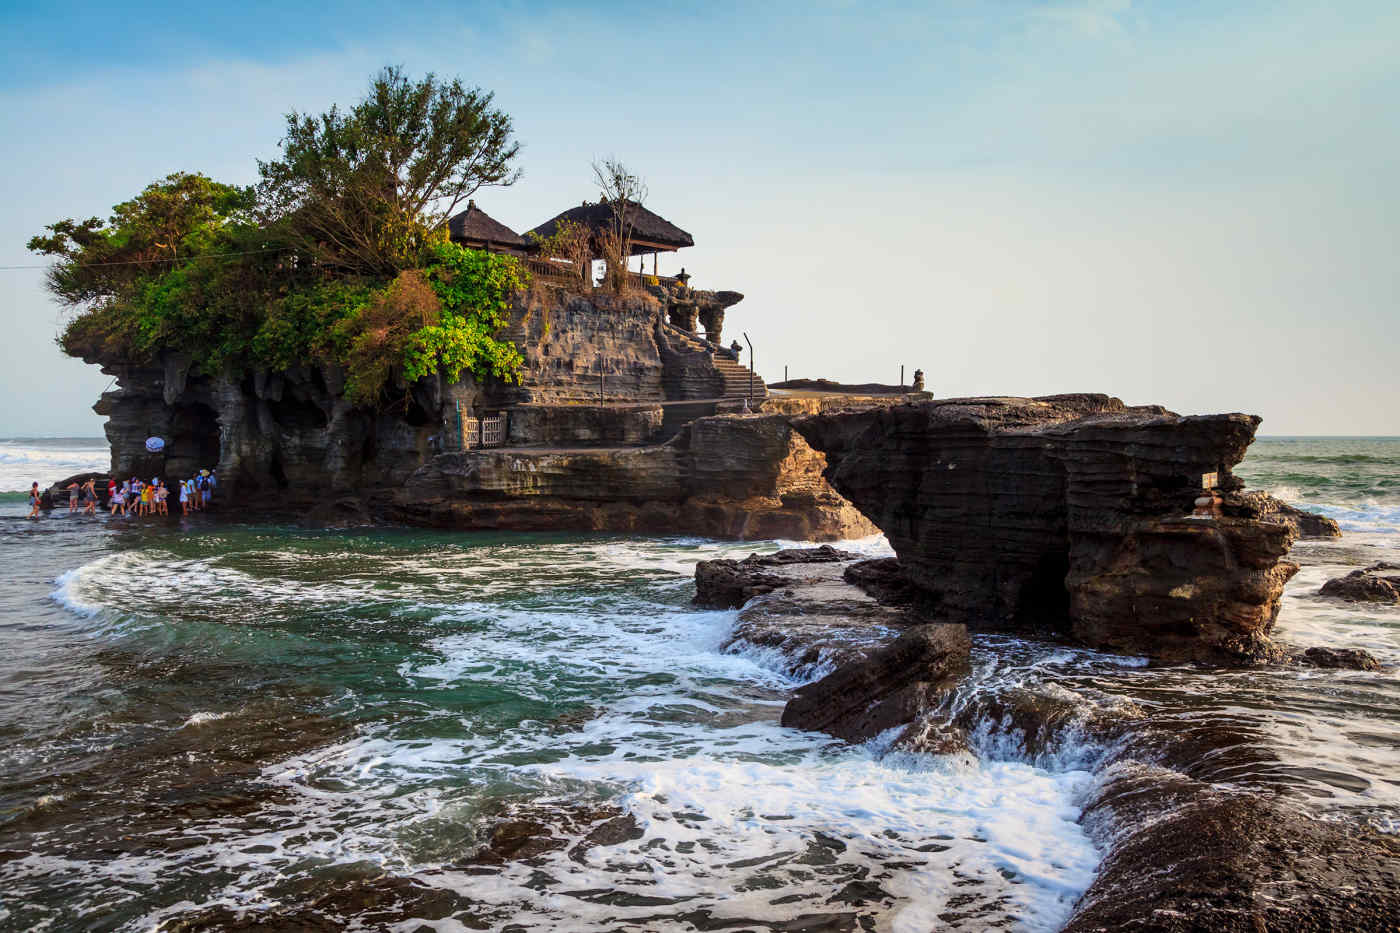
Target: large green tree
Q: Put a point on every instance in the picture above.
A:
(363, 190)
(179, 217)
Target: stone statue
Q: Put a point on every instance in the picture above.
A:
(918, 380)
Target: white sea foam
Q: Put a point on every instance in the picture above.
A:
(24, 461)
(201, 718)
(680, 736)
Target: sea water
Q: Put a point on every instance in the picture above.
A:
(206, 718)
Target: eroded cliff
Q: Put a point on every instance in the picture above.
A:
(1068, 514)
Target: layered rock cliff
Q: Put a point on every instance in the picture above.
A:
(1068, 514)
(731, 476)
(594, 438)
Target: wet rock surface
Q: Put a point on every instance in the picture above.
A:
(1186, 856)
(887, 688)
(728, 584)
(1265, 507)
(1355, 659)
(1071, 514)
(1371, 585)
(799, 605)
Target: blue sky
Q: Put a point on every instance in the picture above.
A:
(1193, 204)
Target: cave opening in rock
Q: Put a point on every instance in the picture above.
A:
(294, 414)
(1044, 598)
(193, 444)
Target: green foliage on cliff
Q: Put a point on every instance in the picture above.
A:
(339, 256)
(475, 290)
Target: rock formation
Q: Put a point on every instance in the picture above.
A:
(1184, 855)
(728, 584)
(1263, 506)
(879, 666)
(1365, 586)
(889, 688)
(1068, 514)
(595, 438)
(744, 477)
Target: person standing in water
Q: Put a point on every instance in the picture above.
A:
(118, 500)
(90, 497)
(72, 498)
(34, 501)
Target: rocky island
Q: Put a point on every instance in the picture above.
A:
(346, 364)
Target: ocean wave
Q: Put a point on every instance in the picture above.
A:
(28, 461)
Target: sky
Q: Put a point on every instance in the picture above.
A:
(1192, 204)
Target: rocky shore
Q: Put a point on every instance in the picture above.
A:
(1183, 850)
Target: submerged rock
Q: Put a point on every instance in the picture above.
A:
(888, 688)
(1364, 586)
(1068, 514)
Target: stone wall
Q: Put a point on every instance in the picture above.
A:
(583, 425)
(729, 476)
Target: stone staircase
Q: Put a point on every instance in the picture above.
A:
(736, 379)
(696, 369)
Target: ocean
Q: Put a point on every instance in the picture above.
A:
(202, 719)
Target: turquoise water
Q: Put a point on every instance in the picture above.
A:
(203, 720)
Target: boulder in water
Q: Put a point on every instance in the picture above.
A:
(1352, 659)
(1364, 586)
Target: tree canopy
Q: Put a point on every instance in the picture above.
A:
(339, 255)
(362, 190)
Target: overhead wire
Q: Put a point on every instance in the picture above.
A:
(143, 262)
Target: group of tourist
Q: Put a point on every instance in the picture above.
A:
(136, 497)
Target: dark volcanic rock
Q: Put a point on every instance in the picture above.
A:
(883, 579)
(815, 619)
(889, 688)
(1263, 506)
(728, 584)
(1186, 857)
(1069, 514)
(1364, 586)
(1354, 659)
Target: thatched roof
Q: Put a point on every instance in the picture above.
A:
(474, 225)
(650, 232)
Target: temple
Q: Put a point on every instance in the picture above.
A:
(686, 309)
(599, 367)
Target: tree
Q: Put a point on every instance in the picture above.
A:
(183, 215)
(623, 192)
(363, 191)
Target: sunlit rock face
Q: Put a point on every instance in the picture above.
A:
(1070, 514)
